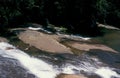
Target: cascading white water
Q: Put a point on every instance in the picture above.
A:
(35, 66)
(65, 35)
(43, 69)
(106, 73)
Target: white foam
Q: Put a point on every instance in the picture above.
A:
(42, 69)
(70, 36)
(74, 36)
(68, 69)
(106, 72)
(77, 36)
(33, 28)
(35, 66)
(39, 28)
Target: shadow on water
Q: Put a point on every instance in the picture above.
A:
(110, 58)
(110, 38)
(86, 62)
(11, 68)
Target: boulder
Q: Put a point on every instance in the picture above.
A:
(71, 76)
(2, 39)
(43, 41)
(83, 46)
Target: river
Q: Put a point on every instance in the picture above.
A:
(15, 63)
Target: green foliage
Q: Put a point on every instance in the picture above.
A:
(108, 11)
(103, 7)
(60, 29)
(78, 15)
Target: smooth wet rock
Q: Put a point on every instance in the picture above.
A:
(87, 47)
(2, 39)
(71, 76)
(43, 41)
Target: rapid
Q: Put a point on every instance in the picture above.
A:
(15, 63)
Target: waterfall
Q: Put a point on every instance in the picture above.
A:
(42, 69)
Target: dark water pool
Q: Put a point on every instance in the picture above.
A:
(110, 38)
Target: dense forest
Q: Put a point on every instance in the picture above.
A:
(76, 15)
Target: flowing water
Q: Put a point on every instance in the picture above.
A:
(15, 63)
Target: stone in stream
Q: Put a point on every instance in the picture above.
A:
(70, 76)
(43, 41)
(2, 39)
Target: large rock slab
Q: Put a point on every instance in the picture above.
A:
(71, 76)
(43, 41)
(88, 47)
(2, 39)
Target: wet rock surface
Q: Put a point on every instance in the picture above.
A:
(43, 41)
(60, 43)
(71, 76)
(2, 39)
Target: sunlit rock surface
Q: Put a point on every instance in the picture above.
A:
(61, 43)
(43, 41)
(88, 47)
(2, 39)
(71, 76)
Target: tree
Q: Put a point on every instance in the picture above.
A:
(102, 6)
(78, 15)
